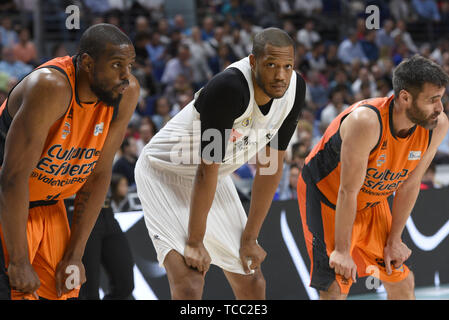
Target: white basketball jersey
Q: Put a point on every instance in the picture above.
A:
(176, 147)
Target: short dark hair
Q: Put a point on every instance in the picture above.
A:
(96, 37)
(411, 74)
(274, 36)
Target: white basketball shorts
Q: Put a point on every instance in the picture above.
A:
(165, 198)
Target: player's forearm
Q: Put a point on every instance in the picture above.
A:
(14, 206)
(345, 214)
(403, 204)
(88, 202)
(262, 193)
(203, 194)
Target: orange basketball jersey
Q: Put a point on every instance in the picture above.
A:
(389, 163)
(73, 144)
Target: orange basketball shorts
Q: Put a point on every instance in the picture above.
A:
(48, 234)
(369, 236)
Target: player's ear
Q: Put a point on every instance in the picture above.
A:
(87, 62)
(252, 61)
(405, 96)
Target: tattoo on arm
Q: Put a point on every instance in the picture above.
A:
(82, 198)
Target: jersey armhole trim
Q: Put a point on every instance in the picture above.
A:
(379, 117)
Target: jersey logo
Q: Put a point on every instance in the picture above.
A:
(65, 130)
(98, 129)
(246, 122)
(414, 155)
(381, 160)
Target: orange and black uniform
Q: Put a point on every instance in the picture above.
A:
(389, 164)
(71, 150)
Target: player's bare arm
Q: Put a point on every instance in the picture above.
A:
(359, 134)
(35, 104)
(90, 197)
(205, 185)
(263, 190)
(396, 251)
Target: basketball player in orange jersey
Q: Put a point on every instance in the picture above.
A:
(373, 149)
(61, 127)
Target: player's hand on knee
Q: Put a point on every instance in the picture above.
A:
(197, 257)
(70, 274)
(23, 278)
(343, 264)
(252, 255)
(396, 253)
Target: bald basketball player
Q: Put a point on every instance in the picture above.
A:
(61, 127)
(192, 210)
(373, 149)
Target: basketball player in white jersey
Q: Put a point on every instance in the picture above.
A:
(191, 207)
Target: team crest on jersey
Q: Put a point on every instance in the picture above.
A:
(381, 160)
(414, 155)
(98, 129)
(246, 122)
(65, 130)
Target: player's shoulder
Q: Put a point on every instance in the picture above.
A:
(228, 80)
(361, 123)
(48, 80)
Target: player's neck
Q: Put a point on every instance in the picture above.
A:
(84, 92)
(401, 123)
(259, 95)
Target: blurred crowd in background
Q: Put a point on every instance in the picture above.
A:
(341, 60)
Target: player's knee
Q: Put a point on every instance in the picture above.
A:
(188, 288)
(408, 284)
(258, 281)
(333, 293)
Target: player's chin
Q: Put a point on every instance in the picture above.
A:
(277, 94)
(430, 124)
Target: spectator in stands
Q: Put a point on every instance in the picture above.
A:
(364, 76)
(200, 51)
(147, 129)
(402, 52)
(335, 106)
(307, 35)
(237, 45)
(369, 46)
(178, 65)
(207, 30)
(341, 80)
(437, 53)
(161, 113)
(267, 13)
(401, 10)
(351, 49)
(163, 27)
(127, 161)
(25, 50)
(427, 10)
(156, 53)
(108, 247)
(8, 36)
(316, 58)
(308, 8)
(180, 87)
(247, 32)
(384, 40)
(318, 93)
(12, 67)
(405, 36)
(119, 201)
